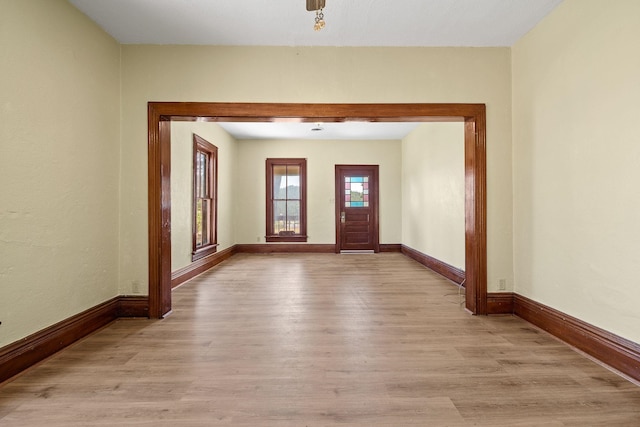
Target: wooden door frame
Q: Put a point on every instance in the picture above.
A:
(160, 115)
(374, 198)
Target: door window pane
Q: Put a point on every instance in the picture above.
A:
(356, 193)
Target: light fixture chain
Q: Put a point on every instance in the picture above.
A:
(319, 20)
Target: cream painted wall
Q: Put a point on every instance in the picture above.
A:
(575, 92)
(59, 165)
(322, 156)
(575, 161)
(182, 187)
(282, 74)
(433, 191)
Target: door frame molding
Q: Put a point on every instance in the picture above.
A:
(160, 115)
(373, 197)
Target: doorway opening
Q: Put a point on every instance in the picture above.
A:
(357, 208)
(160, 115)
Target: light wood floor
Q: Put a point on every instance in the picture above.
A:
(314, 340)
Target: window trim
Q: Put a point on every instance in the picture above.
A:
(202, 145)
(269, 165)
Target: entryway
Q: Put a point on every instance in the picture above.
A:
(357, 208)
(161, 114)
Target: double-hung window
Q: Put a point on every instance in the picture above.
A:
(205, 169)
(286, 200)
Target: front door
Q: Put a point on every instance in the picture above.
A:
(357, 208)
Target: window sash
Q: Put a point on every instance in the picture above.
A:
(286, 202)
(205, 157)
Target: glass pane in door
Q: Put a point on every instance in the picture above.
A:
(356, 192)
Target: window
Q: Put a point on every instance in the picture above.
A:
(205, 189)
(286, 200)
(356, 192)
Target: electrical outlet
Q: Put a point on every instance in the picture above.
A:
(135, 287)
(502, 284)
(258, 239)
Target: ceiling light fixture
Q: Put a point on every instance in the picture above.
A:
(318, 6)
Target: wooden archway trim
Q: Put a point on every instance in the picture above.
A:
(160, 115)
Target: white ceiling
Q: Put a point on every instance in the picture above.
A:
(472, 23)
(327, 131)
(288, 23)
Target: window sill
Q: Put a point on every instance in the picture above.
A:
(276, 238)
(203, 252)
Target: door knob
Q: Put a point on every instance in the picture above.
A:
(342, 217)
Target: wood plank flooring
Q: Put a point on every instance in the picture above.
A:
(317, 340)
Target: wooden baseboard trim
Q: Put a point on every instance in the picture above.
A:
(20, 355)
(318, 248)
(24, 353)
(133, 306)
(452, 273)
(201, 265)
(286, 248)
(500, 303)
(615, 351)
